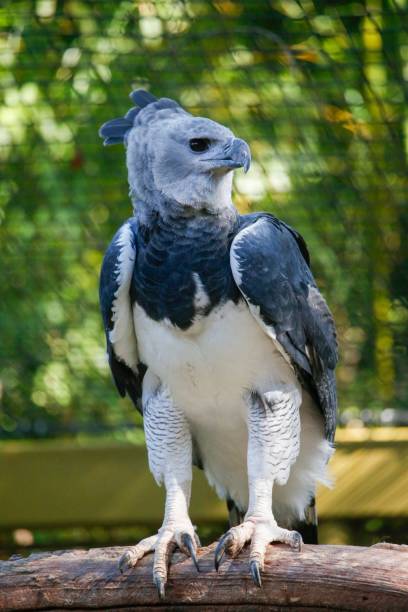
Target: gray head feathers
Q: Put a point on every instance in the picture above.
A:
(174, 158)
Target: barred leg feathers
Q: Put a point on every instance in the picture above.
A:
(170, 459)
(273, 446)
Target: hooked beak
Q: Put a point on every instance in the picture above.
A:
(237, 155)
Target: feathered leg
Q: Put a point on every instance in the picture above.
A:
(273, 446)
(170, 459)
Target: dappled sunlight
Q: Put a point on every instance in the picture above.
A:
(318, 90)
(318, 94)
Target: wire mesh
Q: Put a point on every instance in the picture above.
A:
(318, 89)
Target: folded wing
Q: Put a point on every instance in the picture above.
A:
(114, 295)
(270, 265)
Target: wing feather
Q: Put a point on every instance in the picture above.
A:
(114, 296)
(270, 264)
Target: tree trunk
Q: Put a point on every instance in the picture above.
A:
(318, 578)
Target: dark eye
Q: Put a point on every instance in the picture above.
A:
(199, 144)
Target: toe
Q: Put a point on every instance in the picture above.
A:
(259, 542)
(164, 548)
(292, 538)
(296, 541)
(132, 555)
(233, 541)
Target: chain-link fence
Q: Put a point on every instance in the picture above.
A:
(318, 89)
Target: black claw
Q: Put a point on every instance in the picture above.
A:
(220, 550)
(123, 563)
(188, 543)
(297, 541)
(159, 584)
(255, 573)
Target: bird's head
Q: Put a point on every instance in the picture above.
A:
(172, 155)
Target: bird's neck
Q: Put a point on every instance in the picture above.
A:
(169, 212)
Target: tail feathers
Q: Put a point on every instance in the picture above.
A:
(235, 516)
(308, 527)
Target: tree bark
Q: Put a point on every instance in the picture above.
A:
(318, 578)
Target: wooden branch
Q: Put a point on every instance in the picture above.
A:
(320, 577)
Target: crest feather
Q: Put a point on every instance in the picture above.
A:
(142, 98)
(116, 130)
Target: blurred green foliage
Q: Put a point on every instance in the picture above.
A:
(318, 89)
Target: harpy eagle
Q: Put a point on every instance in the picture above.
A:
(218, 333)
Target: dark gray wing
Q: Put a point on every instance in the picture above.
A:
(269, 262)
(114, 296)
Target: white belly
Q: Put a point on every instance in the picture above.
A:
(212, 363)
(209, 369)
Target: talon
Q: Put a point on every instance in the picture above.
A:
(220, 550)
(123, 562)
(297, 543)
(188, 543)
(159, 584)
(256, 574)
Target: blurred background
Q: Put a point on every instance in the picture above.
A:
(318, 88)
